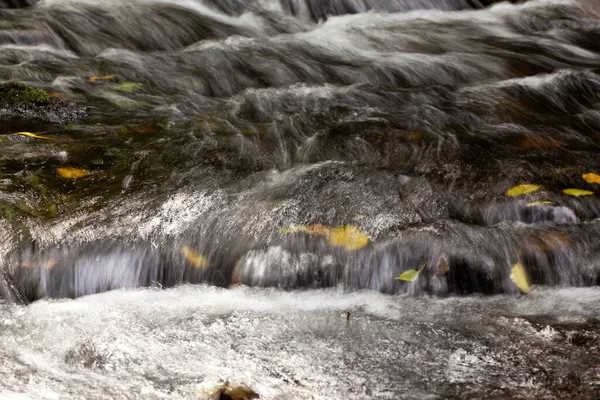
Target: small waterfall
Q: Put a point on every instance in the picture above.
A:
(302, 144)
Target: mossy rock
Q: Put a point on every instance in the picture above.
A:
(22, 102)
(23, 95)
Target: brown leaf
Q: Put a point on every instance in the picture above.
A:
(443, 266)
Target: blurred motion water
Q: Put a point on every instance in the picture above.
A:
(303, 144)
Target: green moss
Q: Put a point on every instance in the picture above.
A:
(23, 95)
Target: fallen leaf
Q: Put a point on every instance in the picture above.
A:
(443, 266)
(197, 260)
(539, 203)
(348, 237)
(72, 173)
(410, 275)
(519, 277)
(33, 135)
(541, 142)
(144, 129)
(591, 177)
(525, 188)
(102, 78)
(577, 192)
(129, 86)
(414, 136)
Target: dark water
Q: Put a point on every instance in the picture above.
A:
(220, 132)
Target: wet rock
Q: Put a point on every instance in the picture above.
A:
(21, 101)
(17, 3)
(229, 392)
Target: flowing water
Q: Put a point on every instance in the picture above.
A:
(228, 141)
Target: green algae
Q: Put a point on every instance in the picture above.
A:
(23, 95)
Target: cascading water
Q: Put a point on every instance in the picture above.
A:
(327, 145)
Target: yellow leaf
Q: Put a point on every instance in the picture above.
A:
(72, 173)
(410, 275)
(197, 260)
(348, 237)
(577, 192)
(102, 78)
(539, 203)
(525, 188)
(591, 177)
(519, 277)
(33, 135)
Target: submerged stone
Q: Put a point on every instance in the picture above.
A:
(18, 100)
(230, 392)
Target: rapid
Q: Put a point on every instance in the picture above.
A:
(259, 172)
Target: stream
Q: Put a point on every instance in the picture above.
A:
(252, 177)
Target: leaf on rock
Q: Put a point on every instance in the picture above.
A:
(199, 261)
(72, 173)
(348, 237)
(102, 78)
(33, 135)
(578, 192)
(591, 177)
(519, 277)
(525, 188)
(539, 203)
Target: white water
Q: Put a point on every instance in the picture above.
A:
(179, 343)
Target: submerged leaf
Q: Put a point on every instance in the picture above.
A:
(578, 192)
(348, 237)
(199, 261)
(102, 78)
(591, 177)
(144, 129)
(33, 135)
(519, 277)
(541, 142)
(129, 86)
(525, 188)
(539, 203)
(72, 173)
